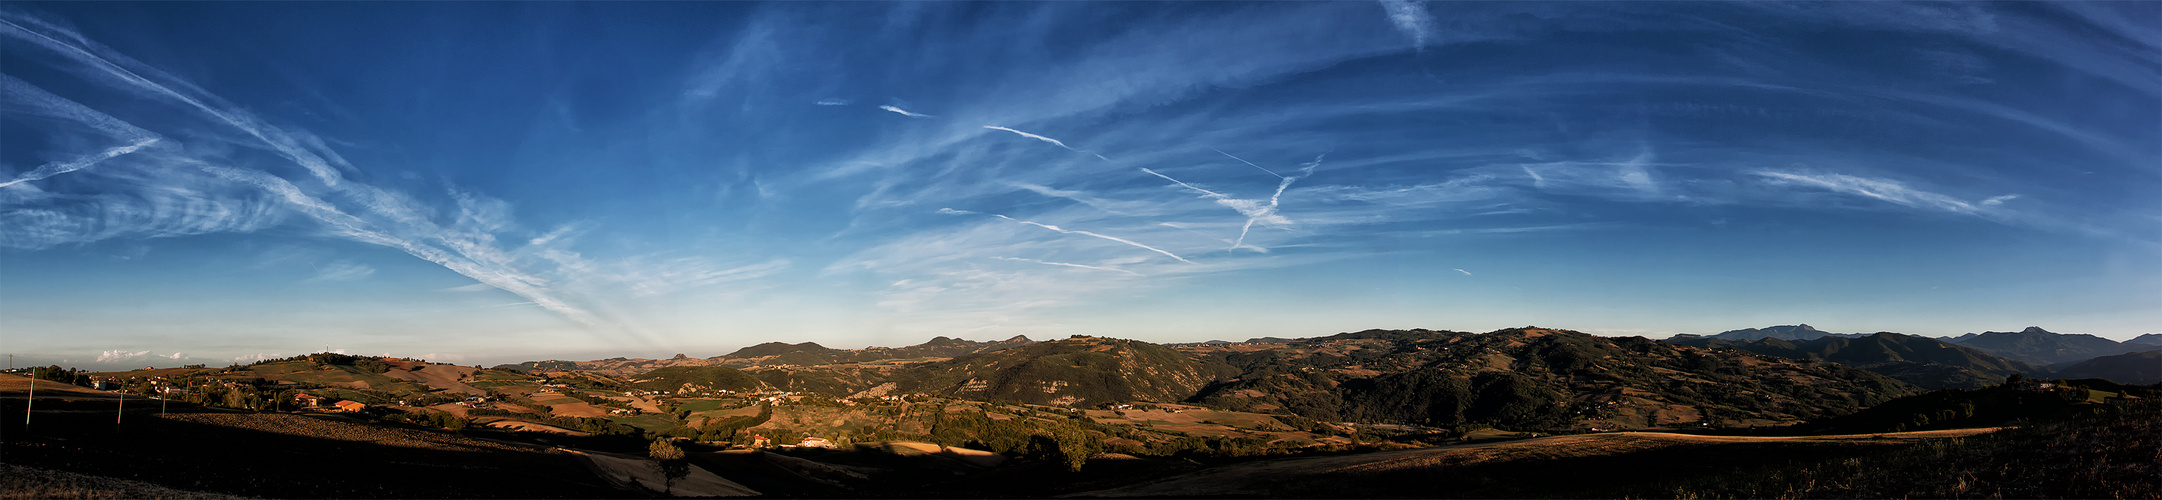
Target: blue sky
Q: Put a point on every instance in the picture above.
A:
(493, 182)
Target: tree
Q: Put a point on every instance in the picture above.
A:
(669, 459)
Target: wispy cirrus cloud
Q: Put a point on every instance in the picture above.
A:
(1884, 190)
(56, 168)
(1254, 210)
(162, 187)
(1060, 230)
(1072, 265)
(343, 270)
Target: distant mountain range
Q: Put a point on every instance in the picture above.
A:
(1782, 332)
(772, 354)
(2043, 347)
(1967, 361)
(1925, 362)
(1523, 377)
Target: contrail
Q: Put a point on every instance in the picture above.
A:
(1086, 233)
(57, 168)
(1252, 209)
(1049, 263)
(1466, 273)
(1204, 192)
(1055, 142)
(905, 112)
(1033, 136)
(1243, 160)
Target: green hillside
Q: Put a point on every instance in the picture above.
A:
(676, 378)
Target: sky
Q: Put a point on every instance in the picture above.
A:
(480, 183)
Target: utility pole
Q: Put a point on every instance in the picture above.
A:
(31, 400)
(123, 407)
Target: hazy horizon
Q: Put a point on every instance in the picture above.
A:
(481, 183)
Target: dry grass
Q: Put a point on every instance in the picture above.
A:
(17, 481)
(446, 377)
(642, 473)
(2114, 453)
(1344, 475)
(15, 387)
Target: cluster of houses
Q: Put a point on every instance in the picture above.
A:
(344, 405)
(760, 441)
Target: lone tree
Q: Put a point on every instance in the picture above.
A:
(669, 459)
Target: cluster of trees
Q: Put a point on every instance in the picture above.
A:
(57, 374)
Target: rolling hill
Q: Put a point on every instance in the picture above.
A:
(1533, 378)
(1075, 371)
(695, 378)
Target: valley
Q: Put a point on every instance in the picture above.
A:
(1358, 413)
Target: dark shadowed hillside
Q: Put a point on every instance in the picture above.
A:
(2132, 368)
(1925, 362)
(695, 378)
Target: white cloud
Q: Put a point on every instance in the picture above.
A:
(1466, 273)
(257, 357)
(115, 356)
(1412, 19)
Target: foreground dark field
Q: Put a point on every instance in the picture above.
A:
(74, 449)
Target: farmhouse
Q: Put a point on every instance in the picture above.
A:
(307, 400)
(815, 442)
(351, 406)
